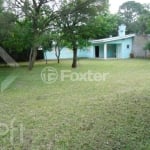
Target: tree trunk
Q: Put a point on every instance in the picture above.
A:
(74, 63)
(45, 57)
(58, 60)
(57, 53)
(32, 58)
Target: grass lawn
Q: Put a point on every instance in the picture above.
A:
(76, 115)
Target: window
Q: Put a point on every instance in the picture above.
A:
(128, 46)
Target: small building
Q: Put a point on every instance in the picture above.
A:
(113, 47)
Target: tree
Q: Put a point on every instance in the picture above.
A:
(144, 20)
(130, 12)
(18, 36)
(58, 45)
(57, 42)
(57, 49)
(6, 26)
(104, 25)
(39, 14)
(75, 15)
(1, 6)
(37, 17)
(7, 21)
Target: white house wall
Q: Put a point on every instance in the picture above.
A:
(124, 51)
(118, 51)
(67, 53)
(124, 48)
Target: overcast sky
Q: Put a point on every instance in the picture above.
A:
(114, 4)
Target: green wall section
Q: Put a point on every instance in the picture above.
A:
(101, 51)
(111, 51)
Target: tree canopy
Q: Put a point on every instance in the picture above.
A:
(130, 11)
(144, 20)
(35, 17)
(136, 16)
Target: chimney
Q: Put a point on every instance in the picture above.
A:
(122, 30)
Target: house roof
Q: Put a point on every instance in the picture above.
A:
(112, 39)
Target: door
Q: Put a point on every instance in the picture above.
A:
(96, 51)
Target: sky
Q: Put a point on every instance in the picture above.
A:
(114, 4)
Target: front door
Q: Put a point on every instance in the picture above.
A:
(96, 51)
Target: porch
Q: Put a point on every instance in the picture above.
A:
(106, 51)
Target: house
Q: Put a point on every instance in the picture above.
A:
(113, 47)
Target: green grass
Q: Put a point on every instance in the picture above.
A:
(107, 115)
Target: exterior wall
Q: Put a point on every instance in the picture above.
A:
(85, 52)
(102, 51)
(111, 51)
(127, 48)
(122, 48)
(115, 49)
(118, 51)
(138, 45)
(67, 53)
(90, 52)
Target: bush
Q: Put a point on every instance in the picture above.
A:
(131, 55)
(147, 46)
